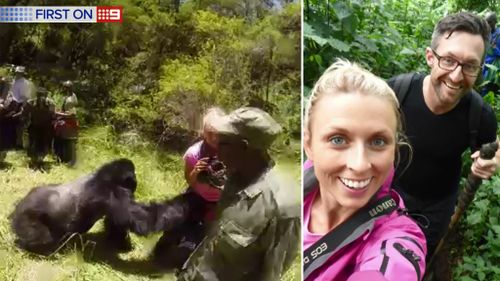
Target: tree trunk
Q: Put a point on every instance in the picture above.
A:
(269, 72)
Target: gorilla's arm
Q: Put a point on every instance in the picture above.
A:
(123, 211)
(164, 216)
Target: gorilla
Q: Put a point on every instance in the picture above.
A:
(49, 214)
(181, 221)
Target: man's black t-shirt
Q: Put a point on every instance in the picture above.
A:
(438, 142)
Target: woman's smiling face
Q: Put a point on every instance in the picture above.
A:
(351, 139)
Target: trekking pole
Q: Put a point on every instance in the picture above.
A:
(465, 197)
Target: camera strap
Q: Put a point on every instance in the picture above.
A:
(348, 231)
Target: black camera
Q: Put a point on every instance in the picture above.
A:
(215, 174)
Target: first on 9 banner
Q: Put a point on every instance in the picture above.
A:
(61, 14)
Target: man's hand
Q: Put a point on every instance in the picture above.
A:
(483, 168)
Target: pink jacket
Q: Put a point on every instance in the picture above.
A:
(192, 155)
(395, 247)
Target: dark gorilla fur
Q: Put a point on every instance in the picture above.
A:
(49, 214)
(181, 220)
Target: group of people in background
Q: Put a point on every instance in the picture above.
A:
(22, 106)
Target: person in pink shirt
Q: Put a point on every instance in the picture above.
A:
(355, 226)
(196, 160)
(193, 210)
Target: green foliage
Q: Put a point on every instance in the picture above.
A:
(492, 77)
(250, 10)
(480, 259)
(479, 256)
(4, 71)
(160, 69)
(214, 27)
(387, 37)
(474, 5)
(226, 62)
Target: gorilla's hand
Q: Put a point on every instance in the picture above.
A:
(145, 218)
(141, 219)
(171, 214)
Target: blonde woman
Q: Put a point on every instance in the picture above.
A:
(197, 157)
(355, 227)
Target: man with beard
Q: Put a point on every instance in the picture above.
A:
(257, 232)
(436, 112)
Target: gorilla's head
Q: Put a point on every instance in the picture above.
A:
(119, 172)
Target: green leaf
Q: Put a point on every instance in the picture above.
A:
(480, 262)
(496, 228)
(398, 64)
(307, 92)
(341, 10)
(469, 267)
(474, 218)
(368, 43)
(491, 67)
(319, 40)
(496, 190)
(319, 25)
(407, 51)
(308, 29)
(349, 24)
(482, 204)
(339, 45)
(494, 219)
(318, 59)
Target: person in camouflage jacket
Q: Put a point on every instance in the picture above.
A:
(257, 232)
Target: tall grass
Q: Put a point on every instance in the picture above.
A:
(159, 174)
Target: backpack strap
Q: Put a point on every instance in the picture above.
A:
(476, 106)
(402, 86)
(310, 180)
